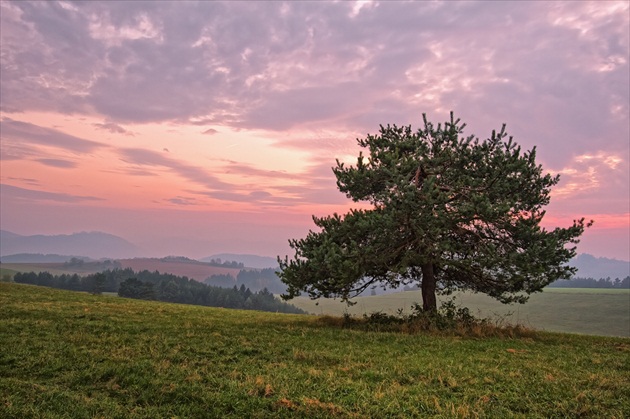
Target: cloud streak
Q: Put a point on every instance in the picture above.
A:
(33, 195)
(25, 132)
(58, 163)
(147, 158)
(113, 128)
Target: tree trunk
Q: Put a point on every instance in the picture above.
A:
(429, 301)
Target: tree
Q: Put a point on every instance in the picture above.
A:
(446, 212)
(99, 283)
(134, 288)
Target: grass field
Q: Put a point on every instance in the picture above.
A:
(5, 272)
(604, 312)
(71, 355)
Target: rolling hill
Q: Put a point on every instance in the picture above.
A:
(70, 354)
(191, 268)
(590, 266)
(95, 245)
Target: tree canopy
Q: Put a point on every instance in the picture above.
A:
(447, 212)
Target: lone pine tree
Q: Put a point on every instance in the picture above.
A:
(447, 212)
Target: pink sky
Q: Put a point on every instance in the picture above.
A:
(198, 128)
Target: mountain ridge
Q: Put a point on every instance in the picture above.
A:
(93, 244)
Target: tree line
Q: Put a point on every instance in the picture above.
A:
(593, 283)
(214, 262)
(160, 287)
(254, 279)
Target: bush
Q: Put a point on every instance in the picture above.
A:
(448, 319)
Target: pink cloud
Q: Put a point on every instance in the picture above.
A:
(10, 192)
(113, 128)
(26, 132)
(58, 163)
(210, 131)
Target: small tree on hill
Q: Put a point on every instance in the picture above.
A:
(98, 283)
(134, 288)
(448, 212)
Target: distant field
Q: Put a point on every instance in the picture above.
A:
(613, 291)
(6, 271)
(192, 269)
(53, 268)
(591, 311)
(75, 355)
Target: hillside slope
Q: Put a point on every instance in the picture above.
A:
(68, 354)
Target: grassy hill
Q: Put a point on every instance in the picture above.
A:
(66, 354)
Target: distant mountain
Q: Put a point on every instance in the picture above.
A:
(8, 235)
(94, 245)
(40, 258)
(250, 261)
(590, 266)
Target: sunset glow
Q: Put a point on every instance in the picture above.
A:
(197, 128)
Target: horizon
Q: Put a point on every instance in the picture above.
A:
(198, 258)
(193, 129)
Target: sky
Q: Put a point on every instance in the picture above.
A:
(195, 128)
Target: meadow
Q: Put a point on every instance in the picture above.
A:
(66, 354)
(592, 311)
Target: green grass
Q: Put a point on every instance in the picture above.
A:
(590, 311)
(6, 273)
(74, 355)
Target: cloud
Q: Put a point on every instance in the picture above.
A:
(283, 110)
(259, 199)
(28, 181)
(595, 177)
(210, 131)
(10, 192)
(318, 185)
(181, 200)
(134, 171)
(113, 128)
(47, 58)
(317, 181)
(556, 69)
(58, 163)
(18, 131)
(260, 195)
(197, 175)
(247, 170)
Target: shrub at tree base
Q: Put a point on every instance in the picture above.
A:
(449, 319)
(448, 212)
